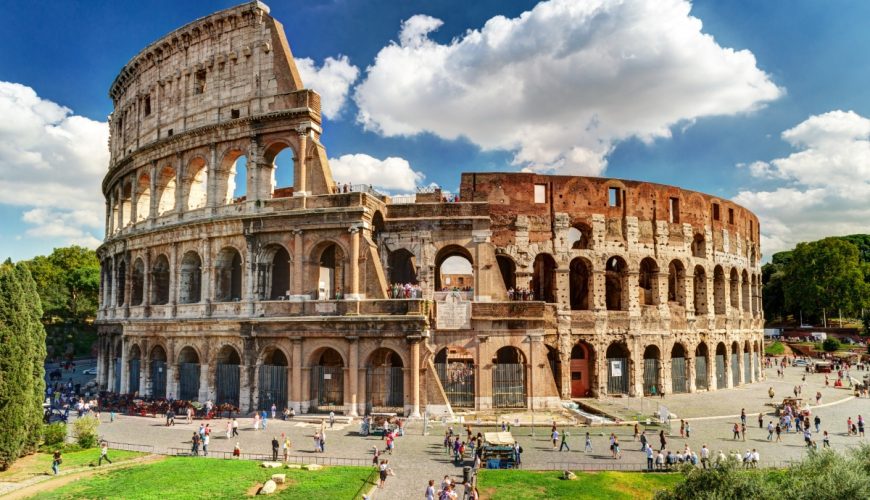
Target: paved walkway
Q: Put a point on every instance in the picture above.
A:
(419, 457)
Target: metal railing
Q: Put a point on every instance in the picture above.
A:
(144, 448)
(262, 457)
(638, 467)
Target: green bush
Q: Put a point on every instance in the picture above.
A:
(85, 431)
(775, 349)
(831, 345)
(54, 434)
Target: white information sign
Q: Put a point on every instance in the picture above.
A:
(616, 368)
(453, 313)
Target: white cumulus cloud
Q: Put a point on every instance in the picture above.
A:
(51, 164)
(821, 189)
(390, 174)
(562, 83)
(332, 81)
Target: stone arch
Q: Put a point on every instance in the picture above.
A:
(734, 289)
(134, 368)
(700, 288)
(615, 284)
(190, 278)
(544, 277)
(273, 272)
(582, 369)
(125, 204)
(143, 197)
(677, 282)
(121, 289)
(455, 368)
(188, 373)
(272, 378)
(699, 246)
(232, 185)
(508, 269)
(448, 276)
(137, 289)
(618, 361)
(157, 360)
(746, 295)
(160, 280)
(722, 362)
(329, 269)
(166, 187)
(227, 375)
(652, 370)
(228, 275)
(402, 266)
(580, 236)
(580, 283)
(735, 363)
(648, 282)
(281, 156)
(719, 290)
(509, 378)
(196, 183)
(679, 369)
(701, 362)
(385, 380)
(327, 379)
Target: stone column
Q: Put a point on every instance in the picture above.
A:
(250, 272)
(110, 375)
(690, 369)
(120, 197)
(741, 367)
(180, 186)
(729, 379)
(689, 292)
(296, 377)
(354, 265)
(155, 198)
(108, 230)
(297, 263)
(629, 293)
(660, 293)
(300, 171)
(598, 292)
(211, 197)
(134, 199)
(173, 277)
(146, 279)
(711, 368)
(415, 376)
(125, 370)
(353, 386)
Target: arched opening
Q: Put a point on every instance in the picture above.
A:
(273, 273)
(747, 363)
(721, 354)
(197, 184)
(402, 267)
(327, 381)
(735, 364)
(699, 246)
(677, 282)
(734, 289)
(614, 284)
(454, 269)
(579, 237)
(107, 279)
(143, 197)
(455, 367)
(126, 205)
(508, 269)
(158, 372)
(508, 378)
(134, 365)
(233, 183)
(544, 278)
(652, 372)
(385, 382)
(331, 273)
(754, 296)
(116, 368)
(160, 281)
(227, 374)
(648, 282)
(228, 279)
(555, 362)
(138, 289)
(190, 280)
(166, 189)
(719, 290)
(582, 361)
(700, 287)
(617, 368)
(272, 386)
(745, 291)
(701, 366)
(121, 296)
(679, 372)
(188, 374)
(579, 284)
(283, 161)
(378, 227)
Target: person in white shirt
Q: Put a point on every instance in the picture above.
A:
(430, 490)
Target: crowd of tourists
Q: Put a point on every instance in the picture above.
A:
(521, 294)
(406, 291)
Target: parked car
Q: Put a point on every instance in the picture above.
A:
(800, 362)
(90, 371)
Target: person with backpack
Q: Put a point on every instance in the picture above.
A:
(56, 460)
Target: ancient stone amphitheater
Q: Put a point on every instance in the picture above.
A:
(520, 291)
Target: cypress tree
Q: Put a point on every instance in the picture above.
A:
(32, 314)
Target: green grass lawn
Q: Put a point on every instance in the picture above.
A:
(534, 485)
(40, 463)
(190, 477)
(775, 349)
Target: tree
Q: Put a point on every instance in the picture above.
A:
(831, 344)
(22, 354)
(825, 274)
(68, 282)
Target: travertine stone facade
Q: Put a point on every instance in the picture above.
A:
(283, 295)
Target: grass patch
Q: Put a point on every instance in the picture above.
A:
(534, 485)
(192, 477)
(775, 349)
(40, 463)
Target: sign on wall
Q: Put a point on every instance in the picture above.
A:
(616, 368)
(453, 313)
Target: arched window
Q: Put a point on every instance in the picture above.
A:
(614, 281)
(143, 197)
(166, 190)
(455, 368)
(190, 285)
(158, 372)
(747, 296)
(721, 355)
(197, 184)
(699, 246)
(330, 277)
(454, 269)
(544, 278)
(582, 363)
(648, 282)
(126, 204)
(122, 283)
(283, 162)
(133, 366)
(580, 284)
(228, 279)
(719, 290)
(160, 281)
(677, 282)
(679, 372)
(232, 185)
(138, 288)
(734, 285)
(701, 366)
(273, 273)
(402, 266)
(508, 270)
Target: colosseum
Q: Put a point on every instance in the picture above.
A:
(235, 268)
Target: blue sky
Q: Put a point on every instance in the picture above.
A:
(807, 80)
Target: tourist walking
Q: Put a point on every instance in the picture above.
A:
(662, 440)
(384, 470)
(826, 442)
(688, 430)
(778, 430)
(56, 460)
(430, 490)
(589, 443)
(286, 446)
(229, 429)
(331, 419)
(555, 436)
(205, 441)
(274, 410)
(194, 448)
(104, 453)
(736, 431)
(564, 441)
(235, 428)
(643, 441)
(705, 455)
(650, 457)
(274, 449)
(817, 421)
